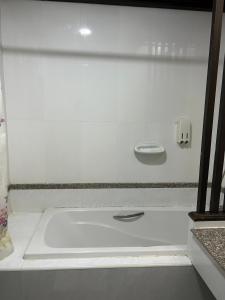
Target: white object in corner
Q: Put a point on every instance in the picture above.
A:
(183, 131)
(6, 246)
(149, 148)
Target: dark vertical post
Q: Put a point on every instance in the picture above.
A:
(224, 201)
(213, 62)
(219, 152)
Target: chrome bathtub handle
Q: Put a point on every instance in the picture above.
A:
(129, 218)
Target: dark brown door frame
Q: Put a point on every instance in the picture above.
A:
(213, 62)
(202, 5)
(219, 153)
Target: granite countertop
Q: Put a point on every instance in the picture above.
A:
(213, 239)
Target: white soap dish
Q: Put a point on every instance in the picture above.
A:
(149, 148)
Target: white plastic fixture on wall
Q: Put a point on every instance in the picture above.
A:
(149, 148)
(183, 131)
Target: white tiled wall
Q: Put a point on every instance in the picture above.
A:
(76, 105)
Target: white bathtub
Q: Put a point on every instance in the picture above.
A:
(69, 232)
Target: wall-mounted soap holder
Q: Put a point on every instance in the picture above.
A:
(149, 148)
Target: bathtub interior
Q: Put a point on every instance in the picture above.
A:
(77, 229)
(67, 232)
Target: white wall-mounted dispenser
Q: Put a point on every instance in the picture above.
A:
(183, 131)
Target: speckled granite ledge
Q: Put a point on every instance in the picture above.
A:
(39, 186)
(213, 240)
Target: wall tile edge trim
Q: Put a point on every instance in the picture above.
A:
(38, 186)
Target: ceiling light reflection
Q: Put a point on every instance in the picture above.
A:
(85, 31)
